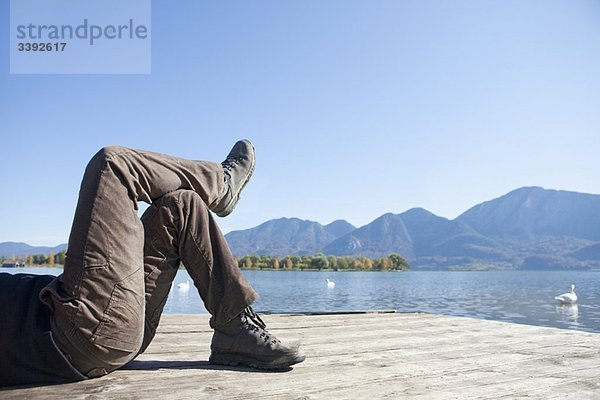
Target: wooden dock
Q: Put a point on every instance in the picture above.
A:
(360, 356)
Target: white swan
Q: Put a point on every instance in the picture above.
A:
(567, 298)
(184, 285)
(330, 284)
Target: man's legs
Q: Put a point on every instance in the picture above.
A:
(99, 301)
(179, 227)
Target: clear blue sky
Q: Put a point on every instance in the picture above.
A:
(356, 108)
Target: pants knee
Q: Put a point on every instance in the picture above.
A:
(108, 151)
(98, 162)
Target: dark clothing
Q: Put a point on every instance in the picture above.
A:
(27, 348)
(119, 269)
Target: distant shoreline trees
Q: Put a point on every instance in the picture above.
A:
(49, 259)
(319, 261)
(393, 262)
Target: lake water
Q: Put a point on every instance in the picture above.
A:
(515, 296)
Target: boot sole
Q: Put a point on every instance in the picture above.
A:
(236, 196)
(233, 359)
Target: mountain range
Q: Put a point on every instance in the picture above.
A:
(20, 249)
(528, 228)
(285, 236)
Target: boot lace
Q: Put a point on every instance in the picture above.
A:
(230, 162)
(254, 323)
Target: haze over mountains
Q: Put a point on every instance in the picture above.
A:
(528, 228)
(20, 249)
(285, 236)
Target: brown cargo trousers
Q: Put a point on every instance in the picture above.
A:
(119, 268)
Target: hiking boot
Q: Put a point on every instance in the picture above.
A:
(245, 341)
(237, 170)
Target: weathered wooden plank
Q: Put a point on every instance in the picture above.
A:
(358, 356)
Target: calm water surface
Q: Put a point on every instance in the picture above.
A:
(513, 296)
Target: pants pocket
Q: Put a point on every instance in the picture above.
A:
(122, 325)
